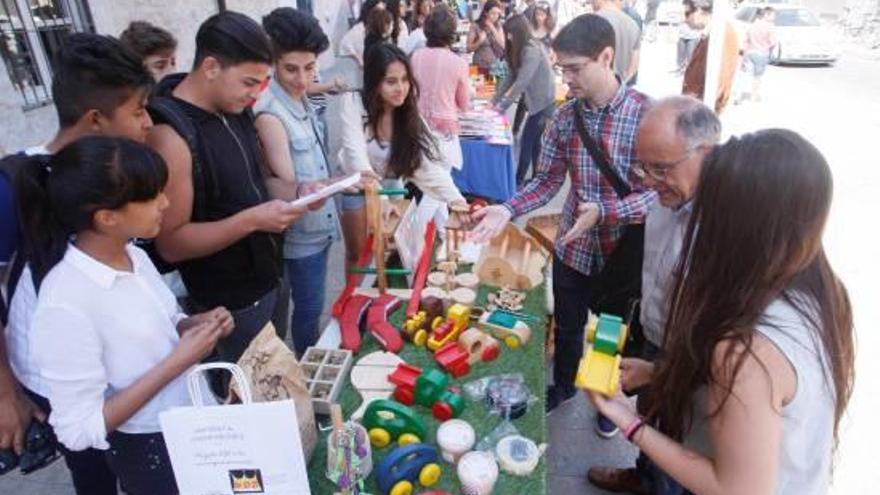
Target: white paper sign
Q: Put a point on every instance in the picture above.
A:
(236, 449)
(326, 192)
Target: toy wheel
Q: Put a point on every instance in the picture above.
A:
(442, 411)
(438, 320)
(420, 338)
(511, 342)
(404, 396)
(380, 437)
(408, 438)
(402, 488)
(430, 475)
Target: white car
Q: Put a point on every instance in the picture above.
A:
(802, 39)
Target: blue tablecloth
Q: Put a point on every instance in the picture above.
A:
(488, 170)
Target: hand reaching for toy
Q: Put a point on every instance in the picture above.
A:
(619, 409)
(588, 217)
(492, 220)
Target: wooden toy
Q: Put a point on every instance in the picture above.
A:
(443, 331)
(477, 472)
(544, 229)
(436, 292)
(467, 280)
(479, 345)
(378, 325)
(599, 368)
(506, 298)
(453, 359)
(350, 321)
(369, 377)
(437, 279)
(422, 271)
(455, 438)
(428, 389)
(349, 460)
(506, 326)
(463, 296)
(325, 371)
(417, 326)
(404, 466)
(386, 421)
(512, 258)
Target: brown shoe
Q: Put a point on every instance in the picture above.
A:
(618, 480)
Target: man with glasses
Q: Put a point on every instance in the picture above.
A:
(674, 137)
(611, 113)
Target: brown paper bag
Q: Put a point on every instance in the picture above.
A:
(274, 374)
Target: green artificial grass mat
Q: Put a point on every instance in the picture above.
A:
(528, 360)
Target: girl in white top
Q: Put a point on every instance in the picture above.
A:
(384, 135)
(107, 334)
(758, 366)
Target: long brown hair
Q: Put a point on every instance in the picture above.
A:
(411, 141)
(518, 33)
(755, 235)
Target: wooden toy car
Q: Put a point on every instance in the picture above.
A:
(399, 471)
(426, 388)
(417, 326)
(453, 359)
(599, 369)
(443, 331)
(479, 345)
(386, 420)
(506, 326)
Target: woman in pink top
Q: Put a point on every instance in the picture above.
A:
(443, 79)
(760, 40)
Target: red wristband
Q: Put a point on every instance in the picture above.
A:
(633, 427)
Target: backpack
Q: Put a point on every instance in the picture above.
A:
(10, 166)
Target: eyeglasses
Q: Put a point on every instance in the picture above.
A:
(659, 170)
(571, 69)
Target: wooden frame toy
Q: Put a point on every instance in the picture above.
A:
(512, 259)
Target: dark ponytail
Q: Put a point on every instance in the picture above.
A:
(58, 197)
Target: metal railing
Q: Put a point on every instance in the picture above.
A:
(32, 34)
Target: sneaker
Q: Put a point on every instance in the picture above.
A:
(618, 480)
(605, 428)
(556, 396)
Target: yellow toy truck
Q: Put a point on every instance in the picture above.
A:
(457, 318)
(599, 369)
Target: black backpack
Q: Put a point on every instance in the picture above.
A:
(10, 166)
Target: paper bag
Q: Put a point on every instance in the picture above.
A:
(274, 374)
(234, 449)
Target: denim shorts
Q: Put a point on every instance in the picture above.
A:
(759, 62)
(352, 202)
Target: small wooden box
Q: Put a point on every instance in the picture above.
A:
(326, 371)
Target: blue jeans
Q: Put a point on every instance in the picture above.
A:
(530, 143)
(307, 278)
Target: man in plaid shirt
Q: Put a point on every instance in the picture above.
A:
(594, 217)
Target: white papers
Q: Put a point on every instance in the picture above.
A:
(326, 192)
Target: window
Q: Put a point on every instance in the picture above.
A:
(32, 33)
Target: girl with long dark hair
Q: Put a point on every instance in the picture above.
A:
(486, 38)
(383, 134)
(758, 367)
(542, 22)
(531, 77)
(107, 336)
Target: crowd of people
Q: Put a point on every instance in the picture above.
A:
(743, 364)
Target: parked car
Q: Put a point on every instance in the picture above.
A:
(802, 38)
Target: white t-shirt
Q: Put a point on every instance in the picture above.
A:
(96, 331)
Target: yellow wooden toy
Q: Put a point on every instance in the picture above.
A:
(599, 369)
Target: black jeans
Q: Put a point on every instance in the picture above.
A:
(572, 294)
(530, 142)
(88, 468)
(141, 461)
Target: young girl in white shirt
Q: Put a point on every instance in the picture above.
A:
(107, 334)
(383, 134)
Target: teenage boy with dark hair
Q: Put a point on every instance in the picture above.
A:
(99, 88)
(610, 112)
(154, 45)
(222, 229)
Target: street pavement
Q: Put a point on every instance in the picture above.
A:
(838, 109)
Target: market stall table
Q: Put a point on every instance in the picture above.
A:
(488, 170)
(528, 360)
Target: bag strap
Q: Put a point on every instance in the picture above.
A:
(194, 382)
(599, 155)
